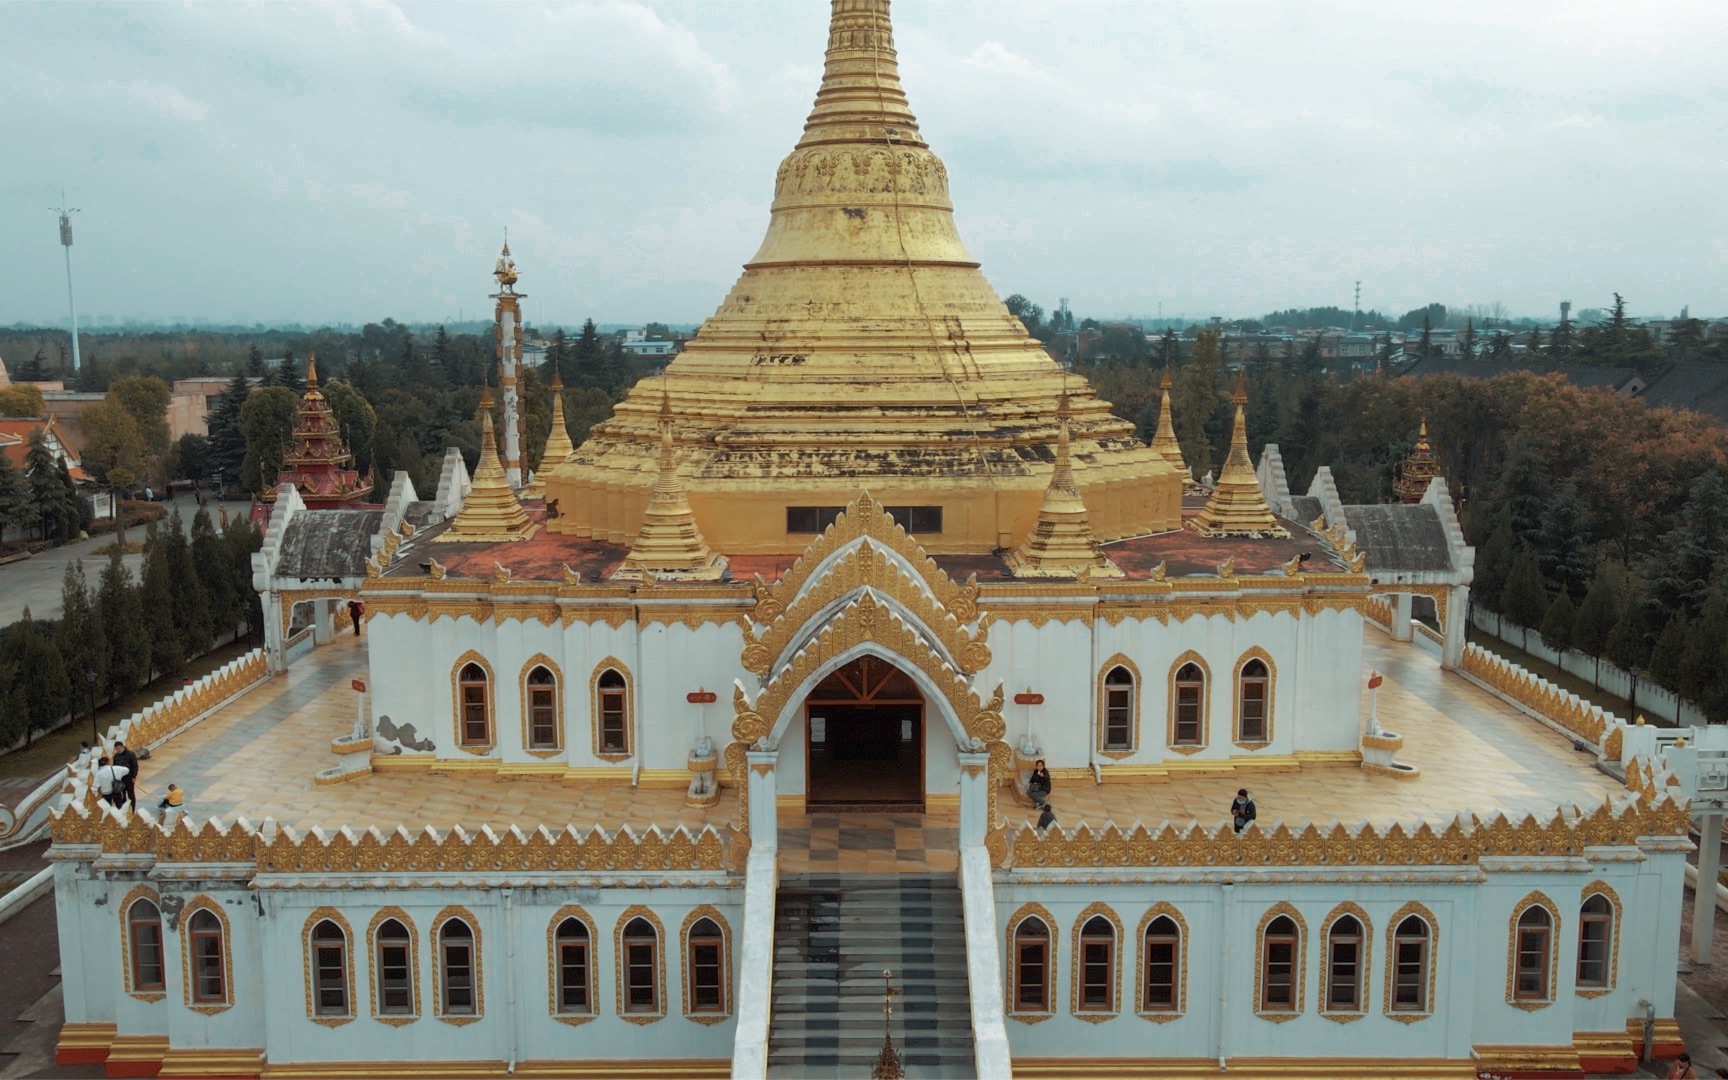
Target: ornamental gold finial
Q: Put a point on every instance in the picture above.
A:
(311, 371)
(490, 511)
(1237, 506)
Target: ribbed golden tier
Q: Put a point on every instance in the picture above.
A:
(490, 511)
(862, 349)
(669, 545)
(1237, 506)
(1061, 542)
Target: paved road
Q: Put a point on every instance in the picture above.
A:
(35, 582)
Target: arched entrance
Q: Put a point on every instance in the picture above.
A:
(864, 746)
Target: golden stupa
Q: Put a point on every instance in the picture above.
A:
(490, 512)
(862, 348)
(1237, 506)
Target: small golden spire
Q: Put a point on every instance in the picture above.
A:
(490, 512)
(1237, 507)
(311, 371)
(1164, 441)
(558, 445)
(668, 544)
(1061, 543)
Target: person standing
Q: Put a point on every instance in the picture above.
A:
(1242, 809)
(126, 759)
(108, 782)
(355, 610)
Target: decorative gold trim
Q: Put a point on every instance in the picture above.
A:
(1162, 1016)
(1120, 660)
(288, 598)
(1029, 1016)
(1189, 657)
(580, 914)
(434, 939)
(1364, 964)
(707, 911)
(1254, 653)
(309, 971)
(551, 665)
(1560, 1060)
(379, 918)
(1299, 956)
(1535, 898)
(491, 743)
(133, 895)
(1580, 717)
(612, 663)
(1386, 1005)
(205, 902)
(635, 911)
(1076, 962)
(1603, 889)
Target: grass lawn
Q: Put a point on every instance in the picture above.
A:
(56, 748)
(1565, 680)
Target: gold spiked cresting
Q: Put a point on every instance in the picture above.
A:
(558, 445)
(1237, 507)
(1164, 441)
(668, 543)
(1061, 543)
(490, 513)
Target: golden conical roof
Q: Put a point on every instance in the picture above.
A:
(558, 445)
(1061, 543)
(669, 545)
(490, 512)
(862, 348)
(1164, 440)
(1237, 507)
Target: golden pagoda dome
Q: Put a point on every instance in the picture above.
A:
(862, 348)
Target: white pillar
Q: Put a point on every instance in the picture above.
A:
(1401, 617)
(974, 797)
(323, 622)
(275, 660)
(764, 800)
(507, 338)
(1457, 626)
(1704, 896)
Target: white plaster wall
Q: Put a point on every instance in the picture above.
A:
(241, 1024)
(89, 942)
(1498, 1023)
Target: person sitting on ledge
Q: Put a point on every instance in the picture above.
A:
(1038, 784)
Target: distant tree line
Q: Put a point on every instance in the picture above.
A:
(194, 591)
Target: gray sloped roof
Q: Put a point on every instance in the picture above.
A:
(1400, 536)
(1307, 509)
(1703, 387)
(328, 543)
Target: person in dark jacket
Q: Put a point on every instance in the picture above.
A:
(1048, 817)
(1038, 784)
(1242, 809)
(127, 760)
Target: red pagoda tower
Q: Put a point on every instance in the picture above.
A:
(1418, 469)
(320, 466)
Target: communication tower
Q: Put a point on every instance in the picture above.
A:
(65, 213)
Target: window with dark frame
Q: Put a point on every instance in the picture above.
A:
(1119, 709)
(1190, 689)
(811, 519)
(1534, 939)
(209, 976)
(1032, 966)
(918, 520)
(456, 957)
(1410, 965)
(1163, 966)
(614, 717)
(1344, 965)
(476, 709)
(1254, 686)
(1278, 966)
(707, 967)
(542, 709)
(330, 969)
(573, 944)
(641, 967)
(395, 969)
(1097, 965)
(144, 925)
(1595, 937)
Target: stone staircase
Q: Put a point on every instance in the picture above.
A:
(834, 935)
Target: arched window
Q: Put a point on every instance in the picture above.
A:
(1595, 941)
(474, 700)
(1163, 989)
(1411, 944)
(393, 957)
(611, 714)
(458, 970)
(574, 953)
(144, 941)
(1032, 964)
(1097, 960)
(208, 955)
(641, 967)
(1254, 702)
(329, 966)
(705, 955)
(1188, 722)
(541, 701)
(1119, 709)
(1533, 948)
(1280, 966)
(1344, 944)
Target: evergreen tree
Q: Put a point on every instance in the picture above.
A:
(1493, 563)
(1425, 346)
(227, 441)
(1681, 576)
(1560, 545)
(1467, 340)
(1613, 339)
(288, 373)
(588, 357)
(126, 638)
(222, 593)
(1670, 648)
(81, 517)
(441, 351)
(41, 675)
(240, 541)
(555, 356)
(1169, 347)
(1195, 399)
(1522, 599)
(1629, 644)
(1700, 666)
(156, 597)
(17, 509)
(1533, 348)
(1557, 624)
(53, 506)
(1598, 614)
(191, 601)
(80, 634)
(255, 369)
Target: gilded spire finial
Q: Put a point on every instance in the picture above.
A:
(1164, 441)
(490, 512)
(1237, 506)
(668, 544)
(311, 371)
(1061, 543)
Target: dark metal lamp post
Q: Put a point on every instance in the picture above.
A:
(1632, 698)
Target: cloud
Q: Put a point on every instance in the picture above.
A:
(166, 100)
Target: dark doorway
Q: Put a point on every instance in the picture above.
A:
(865, 742)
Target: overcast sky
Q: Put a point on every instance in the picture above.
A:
(345, 162)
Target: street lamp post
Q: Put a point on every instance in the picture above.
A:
(1632, 698)
(90, 680)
